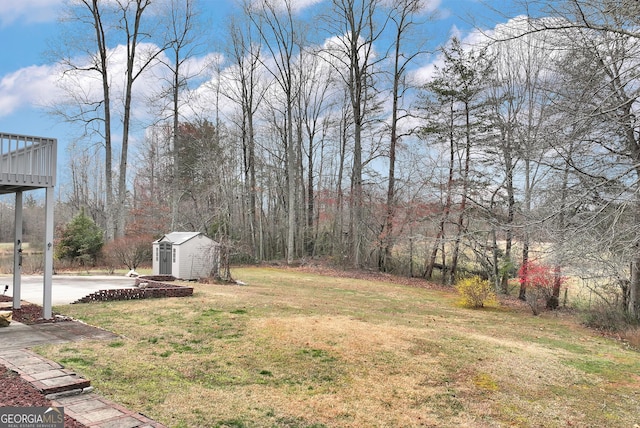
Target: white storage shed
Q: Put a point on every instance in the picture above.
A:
(186, 255)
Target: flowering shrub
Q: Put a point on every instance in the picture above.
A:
(476, 292)
(542, 284)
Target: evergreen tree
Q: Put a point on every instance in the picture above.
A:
(81, 240)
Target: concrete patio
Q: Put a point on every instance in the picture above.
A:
(66, 288)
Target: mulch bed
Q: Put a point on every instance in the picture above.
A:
(30, 313)
(17, 392)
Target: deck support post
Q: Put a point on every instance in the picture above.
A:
(48, 254)
(17, 252)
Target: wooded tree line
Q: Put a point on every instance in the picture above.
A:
(312, 134)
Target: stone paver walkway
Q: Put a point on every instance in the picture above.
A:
(95, 411)
(62, 386)
(48, 377)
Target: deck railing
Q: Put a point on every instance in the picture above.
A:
(27, 161)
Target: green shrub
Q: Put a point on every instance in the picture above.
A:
(81, 241)
(476, 292)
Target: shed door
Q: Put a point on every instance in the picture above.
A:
(165, 258)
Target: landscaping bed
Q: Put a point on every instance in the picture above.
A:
(17, 392)
(31, 314)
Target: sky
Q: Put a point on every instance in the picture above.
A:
(27, 76)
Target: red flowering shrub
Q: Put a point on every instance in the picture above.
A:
(542, 284)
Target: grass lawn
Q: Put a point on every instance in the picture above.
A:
(295, 349)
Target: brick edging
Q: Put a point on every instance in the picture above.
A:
(148, 287)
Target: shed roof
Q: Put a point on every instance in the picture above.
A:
(179, 237)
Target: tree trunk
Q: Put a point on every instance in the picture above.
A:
(106, 93)
(633, 306)
(252, 186)
(176, 187)
(338, 236)
(497, 283)
(386, 237)
(463, 202)
(355, 19)
(554, 300)
(291, 184)
(522, 294)
(132, 43)
(310, 238)
(511, 201)
(276, 28)
(401, 14)
(440, 238)
(356, 229)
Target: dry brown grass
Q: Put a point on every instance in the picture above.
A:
(297, 349)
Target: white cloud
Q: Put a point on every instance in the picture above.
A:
(425, 6)
(27, 87)
(202, 65)
(514, 43)
(300, 5)
(45, 87)
(471, 39)
(205, 98)
(28, 10)
(281, 5)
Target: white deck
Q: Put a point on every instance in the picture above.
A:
(26, 163)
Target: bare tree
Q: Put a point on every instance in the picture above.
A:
(110, 23)
(315, 102)
(602, 45)
(87, 185)
(353, 56)
(152, 183)
(247, 90)
(93, 115)
(520, 100)
(276, 25)
(131, 12)
(403, 15)
(181, 32)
